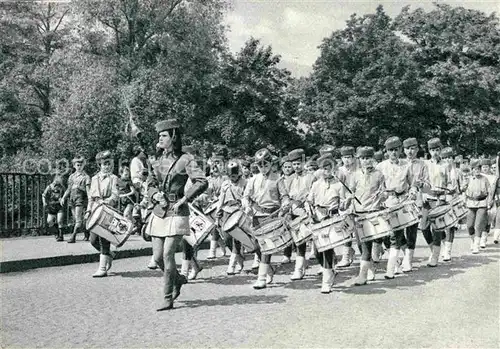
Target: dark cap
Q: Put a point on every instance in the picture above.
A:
(326, 149)
(364, 152)
(379, 156)
(347, 151)
(263, 154)
(296, 155)
(475, 163)
(410, 142)
(446, 152)
(166, 125)
(485, 162)
(434, 143)
(283, 160)
(392, 143)
(78, 159)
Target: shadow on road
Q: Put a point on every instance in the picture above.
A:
(233, 300)
(139, 274)
(421, 275)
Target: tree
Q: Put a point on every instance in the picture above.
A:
(251, 107)
(458, 54)
(362, 87)
(32, 35)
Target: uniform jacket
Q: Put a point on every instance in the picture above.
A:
(170, 174)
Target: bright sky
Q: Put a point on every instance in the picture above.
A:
(295, 28)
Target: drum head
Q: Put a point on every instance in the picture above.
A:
(232, 220)
(438, 211)
(211, 208)
(94, 217)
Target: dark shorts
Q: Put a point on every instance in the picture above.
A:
(77, 200)
(54, 208)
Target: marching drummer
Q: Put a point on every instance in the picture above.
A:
(77, 191)
(287, 175)
(452, 193)
(169, 221)
(299, 189)
(230, 197)
(478, 201)
(495, 197)
(323, 202)
(215, 181)
(398, 187)
(368, 186)
(264, 194)
(434, 195)
(419, 176)
(345, 175)
(190, 267)
(486, 171)
(103, 190)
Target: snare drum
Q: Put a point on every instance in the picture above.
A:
(459, 208)
(403, 215)
(299, 230)
(239, 226)
(109, 224)
(273, 235)
(442, 217)
(332, 232)
(210, 210)
(200, 227)
(373, 226)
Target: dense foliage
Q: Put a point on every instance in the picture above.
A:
(73, 75)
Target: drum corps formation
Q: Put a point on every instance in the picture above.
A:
(379, 201)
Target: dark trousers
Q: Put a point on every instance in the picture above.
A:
(325, 258)
(366, 251)
(100, 244)
(397, 239)
(411, 236)
(187, 250)
(477, 219)
(431, 237)
(236, 246)
(449, 234)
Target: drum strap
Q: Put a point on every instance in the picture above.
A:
(168, 177)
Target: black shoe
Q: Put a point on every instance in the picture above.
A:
(181, 280)
(71, 241)
(167, 305)
(59, 239)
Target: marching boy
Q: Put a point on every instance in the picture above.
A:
(51, 199)
(103, 190)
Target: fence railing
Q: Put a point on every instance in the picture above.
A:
(21, 207)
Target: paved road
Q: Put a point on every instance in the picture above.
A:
(453, 306)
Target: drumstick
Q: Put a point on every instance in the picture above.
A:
(349, 190)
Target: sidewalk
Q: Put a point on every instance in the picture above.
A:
(18, 254)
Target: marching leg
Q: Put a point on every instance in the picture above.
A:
(213, 249)
(347, 256)
(256, 261)
(365, 264)
(300, 263)
(101, 270)
(287, 255)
